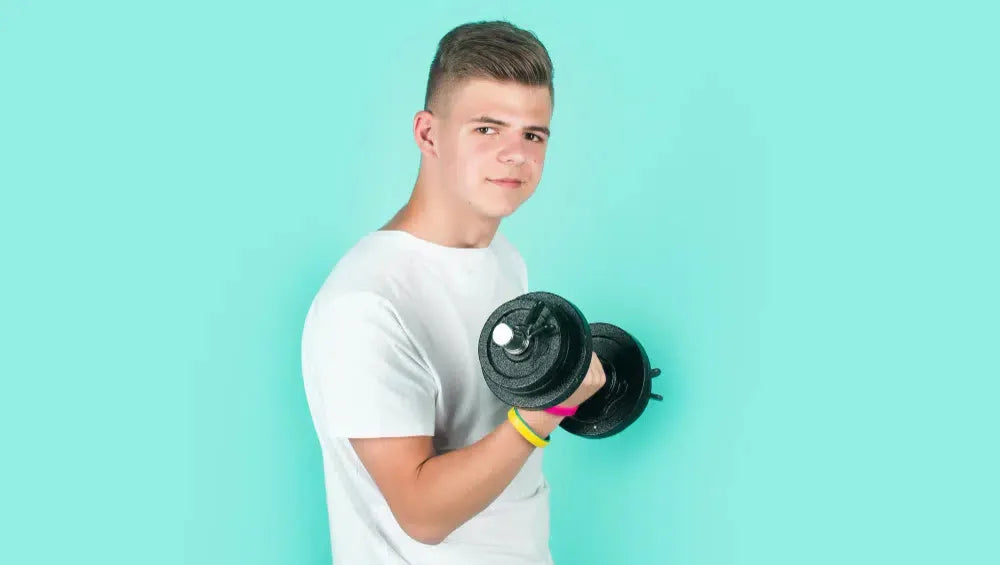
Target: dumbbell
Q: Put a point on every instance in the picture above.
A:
(535, 350)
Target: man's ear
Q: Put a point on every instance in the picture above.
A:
(425, 129)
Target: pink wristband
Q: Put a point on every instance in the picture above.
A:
(562, 410)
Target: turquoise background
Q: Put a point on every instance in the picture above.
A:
(792, 205)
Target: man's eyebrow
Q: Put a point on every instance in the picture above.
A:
(489, 120)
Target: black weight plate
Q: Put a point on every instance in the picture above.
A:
(625, 394)
(555, 364)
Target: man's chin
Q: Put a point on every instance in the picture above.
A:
(498, 212)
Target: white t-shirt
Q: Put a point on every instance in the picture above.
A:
(389, 348)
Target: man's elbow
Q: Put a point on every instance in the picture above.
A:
(424, 531)
(422, 526)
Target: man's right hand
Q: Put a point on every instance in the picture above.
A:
(592, 382)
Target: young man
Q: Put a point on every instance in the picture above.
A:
(422, 464)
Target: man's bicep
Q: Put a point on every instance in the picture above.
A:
(368, 377)
(394, 463)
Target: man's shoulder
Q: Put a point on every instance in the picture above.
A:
(370, 266)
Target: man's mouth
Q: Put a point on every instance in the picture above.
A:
(507, 182)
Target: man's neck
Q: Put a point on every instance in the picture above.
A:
(443, 223)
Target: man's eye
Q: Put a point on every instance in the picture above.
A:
(480, 129)
(536, 137)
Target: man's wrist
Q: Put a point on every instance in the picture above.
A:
(560, 410)
(541, 421)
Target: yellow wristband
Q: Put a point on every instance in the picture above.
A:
(529, 434)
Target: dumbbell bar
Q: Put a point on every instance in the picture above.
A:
(535, 351)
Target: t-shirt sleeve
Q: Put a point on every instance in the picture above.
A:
(368, 376)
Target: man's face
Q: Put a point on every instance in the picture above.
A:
(494, 131)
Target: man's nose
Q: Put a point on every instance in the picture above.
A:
(513, 152)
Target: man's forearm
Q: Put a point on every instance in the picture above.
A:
(453, 487)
